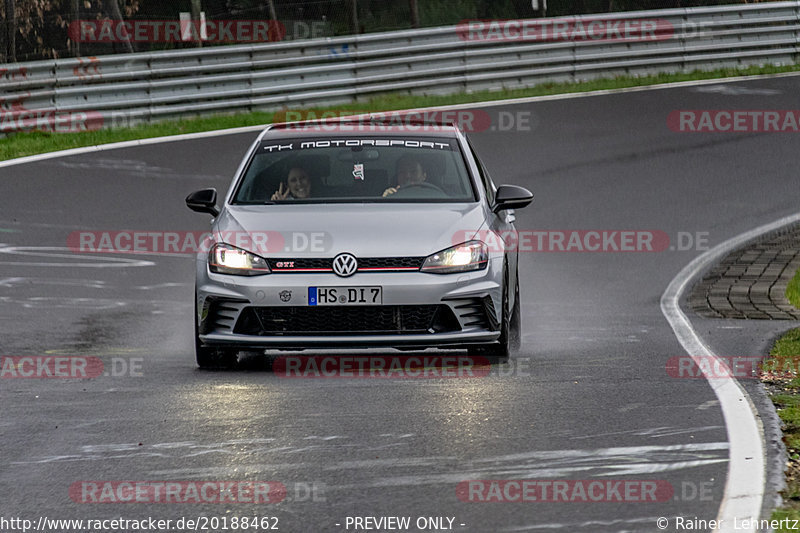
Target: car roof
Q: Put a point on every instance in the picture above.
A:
(395, 125)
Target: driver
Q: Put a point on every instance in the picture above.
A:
(409, 172)
(298, 185)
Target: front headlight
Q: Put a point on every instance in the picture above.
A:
(473, 255)
(227, 259)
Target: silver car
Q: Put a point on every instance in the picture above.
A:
(350, 236)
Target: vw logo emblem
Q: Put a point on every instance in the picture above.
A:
(345, 265)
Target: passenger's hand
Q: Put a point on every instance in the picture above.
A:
(280, 194)
(390, 190)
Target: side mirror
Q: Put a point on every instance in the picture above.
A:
(203, 201)
(511, 197)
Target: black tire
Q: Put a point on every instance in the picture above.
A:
(516, 321)
(210, 357)
(499, 351)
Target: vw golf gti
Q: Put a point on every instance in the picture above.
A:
(341, 235)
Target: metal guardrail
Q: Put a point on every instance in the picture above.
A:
(120, 90)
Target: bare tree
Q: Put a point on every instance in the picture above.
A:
(354, 16)
(11, 31)
(412, 4)
(112, 8)
(196, 9)
(76, 15)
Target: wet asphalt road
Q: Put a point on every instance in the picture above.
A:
(588, 397)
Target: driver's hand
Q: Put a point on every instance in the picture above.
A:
(280, 194)
(390, 190)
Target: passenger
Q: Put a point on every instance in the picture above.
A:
(298, 186)
(409, 172)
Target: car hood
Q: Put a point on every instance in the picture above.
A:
(364, 230)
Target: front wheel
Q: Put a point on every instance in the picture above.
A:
(210, 358)
(516, 320)
(500, 350)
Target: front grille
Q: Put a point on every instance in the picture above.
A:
(390, 262)
(364, 264)
(355, 320)
(296, 264)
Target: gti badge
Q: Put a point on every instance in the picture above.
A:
(285, 295)
(345, 265)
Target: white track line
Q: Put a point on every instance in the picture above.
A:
(126, 144)
(744, 488)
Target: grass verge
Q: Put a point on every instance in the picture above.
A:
(793, 289)
(36, 142)
(783, 387)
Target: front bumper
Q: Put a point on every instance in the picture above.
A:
(225, 306)
(440, 340)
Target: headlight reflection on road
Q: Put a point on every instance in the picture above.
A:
(459, 409)
(235, 412)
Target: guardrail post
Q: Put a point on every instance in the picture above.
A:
(796, 58)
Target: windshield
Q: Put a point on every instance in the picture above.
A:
(375, 169)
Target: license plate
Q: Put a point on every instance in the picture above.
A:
(345, 295)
